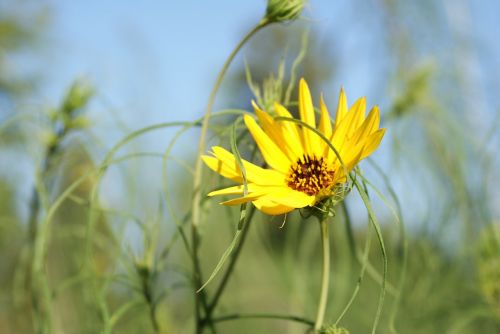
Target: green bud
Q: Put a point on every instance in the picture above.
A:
(79, 122)
(77, 97)
(283, 10)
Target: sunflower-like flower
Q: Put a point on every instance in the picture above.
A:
(302, 168)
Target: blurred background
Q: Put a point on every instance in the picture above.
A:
(77, 77)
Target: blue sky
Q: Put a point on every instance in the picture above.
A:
(162, 56)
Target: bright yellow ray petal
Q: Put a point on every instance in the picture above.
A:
(353, 161)
(236, 190)
(351, 154)
(325, 126)
(358, 115)
(306, 111)
(255, 174)
(268, 125)
(345, 130)
(241, 200)
(277, 132)
(290, 131)
(272, 154)
(341, 107)
(290, 197)
(373, 142)
(271, 208)
(369, 126)
(306, 108)
(225, 164)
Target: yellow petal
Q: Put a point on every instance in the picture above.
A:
(290, 131)
(349, 124)
(241, 200)
(272, 154)
(341, 108)
(268, 125)
(306, 108)
(351, 155)
(373, 142)
(225, 164)
(358, 115)
(369, 126)
(325, 124)
(270, 207)
(306, 111)
(290, 197)
(277, 132)
(236, 190)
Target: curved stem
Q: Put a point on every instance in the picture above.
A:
(208, 112)
(325, 279)
(197, 173)
(263, 316)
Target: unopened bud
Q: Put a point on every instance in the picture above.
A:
(77, 97)
(284, 10)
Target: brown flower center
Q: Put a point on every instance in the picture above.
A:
(310, 175)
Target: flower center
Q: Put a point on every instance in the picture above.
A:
(310, 175)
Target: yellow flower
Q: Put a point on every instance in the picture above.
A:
(303, 169)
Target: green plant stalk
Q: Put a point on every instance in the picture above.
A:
(34, 211)
(230, 268)
(264, 316)
(197, 278)
(148, 296)
(325, 277)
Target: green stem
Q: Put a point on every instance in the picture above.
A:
(198, 168)
(264, 316)
(40, 310)
(325, 279)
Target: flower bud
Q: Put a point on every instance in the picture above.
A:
(77, 97)
(283, 10)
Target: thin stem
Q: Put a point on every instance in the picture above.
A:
(208, 112)
(264, 316)
(325, 280)
(198, 168)
(148, 296)
(33, 292)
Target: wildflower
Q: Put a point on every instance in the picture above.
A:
(303, 168)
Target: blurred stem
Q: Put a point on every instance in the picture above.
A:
(232, 263)
(34, 211)
(147, 292)
(264, 316)
(325, 280)
(35, 198)
(198, 168)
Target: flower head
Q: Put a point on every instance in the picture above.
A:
(303, 169)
